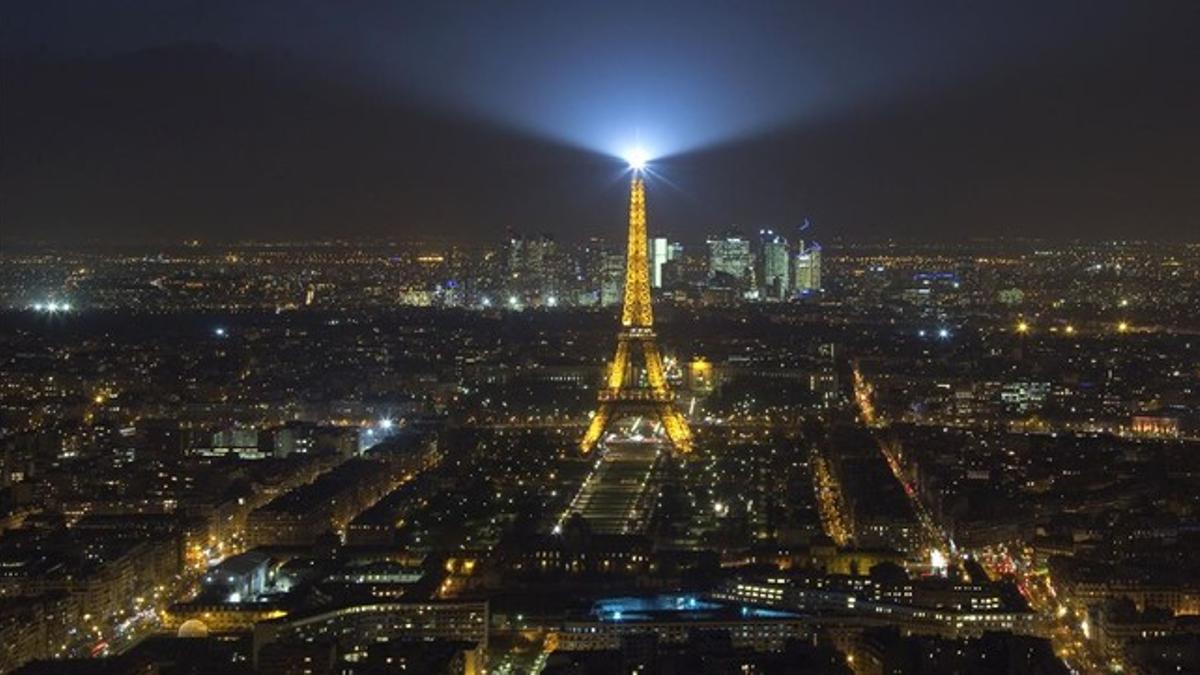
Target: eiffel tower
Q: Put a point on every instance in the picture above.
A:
(629, 389)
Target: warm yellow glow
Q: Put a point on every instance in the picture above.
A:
(1070, 330)
(701, 372)
(621, 392)
(1123, 327)
(636, 311)
(1022, 327)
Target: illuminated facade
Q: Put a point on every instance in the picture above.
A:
(730, 254)
(806, 269)
(661, 252)
(629, 390)
(775, 275)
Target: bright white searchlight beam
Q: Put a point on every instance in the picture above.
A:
(637, 158)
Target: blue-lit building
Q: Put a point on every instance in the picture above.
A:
(674, 618)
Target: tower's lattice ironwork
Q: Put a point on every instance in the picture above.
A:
(636, 383)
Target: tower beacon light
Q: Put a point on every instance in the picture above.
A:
(637, 158)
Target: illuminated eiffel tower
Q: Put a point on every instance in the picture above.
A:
(636, 383)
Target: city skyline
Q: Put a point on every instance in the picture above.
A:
(549, 338)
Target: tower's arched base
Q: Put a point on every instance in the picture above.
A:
(673, 423)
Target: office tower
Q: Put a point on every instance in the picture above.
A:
(612, 271)
(730, 255)
(675, 251)
(660, 253)
(532, 268)
(774, 274)
(806, 270)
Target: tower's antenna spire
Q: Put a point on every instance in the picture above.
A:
(637, 311)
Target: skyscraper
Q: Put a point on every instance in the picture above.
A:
(806, 270)
(612, 277)
(532, 267)
(730, 255)
(660, 253)
(675, 251)
(774, 274)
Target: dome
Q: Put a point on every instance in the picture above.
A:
(193, 628)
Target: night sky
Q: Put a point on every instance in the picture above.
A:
(157, 119)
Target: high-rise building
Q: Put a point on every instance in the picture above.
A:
(588, 274)
(774, 274)
(532, 268)
(806, 270)
(675, 251)
(612, 277)
(660, 253)
(730, 255)
(684, 272)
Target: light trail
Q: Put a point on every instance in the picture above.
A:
(864, 396)
(830, 502)
(1062, 619)
(864, 392)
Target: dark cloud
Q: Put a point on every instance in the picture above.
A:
(222, 119)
